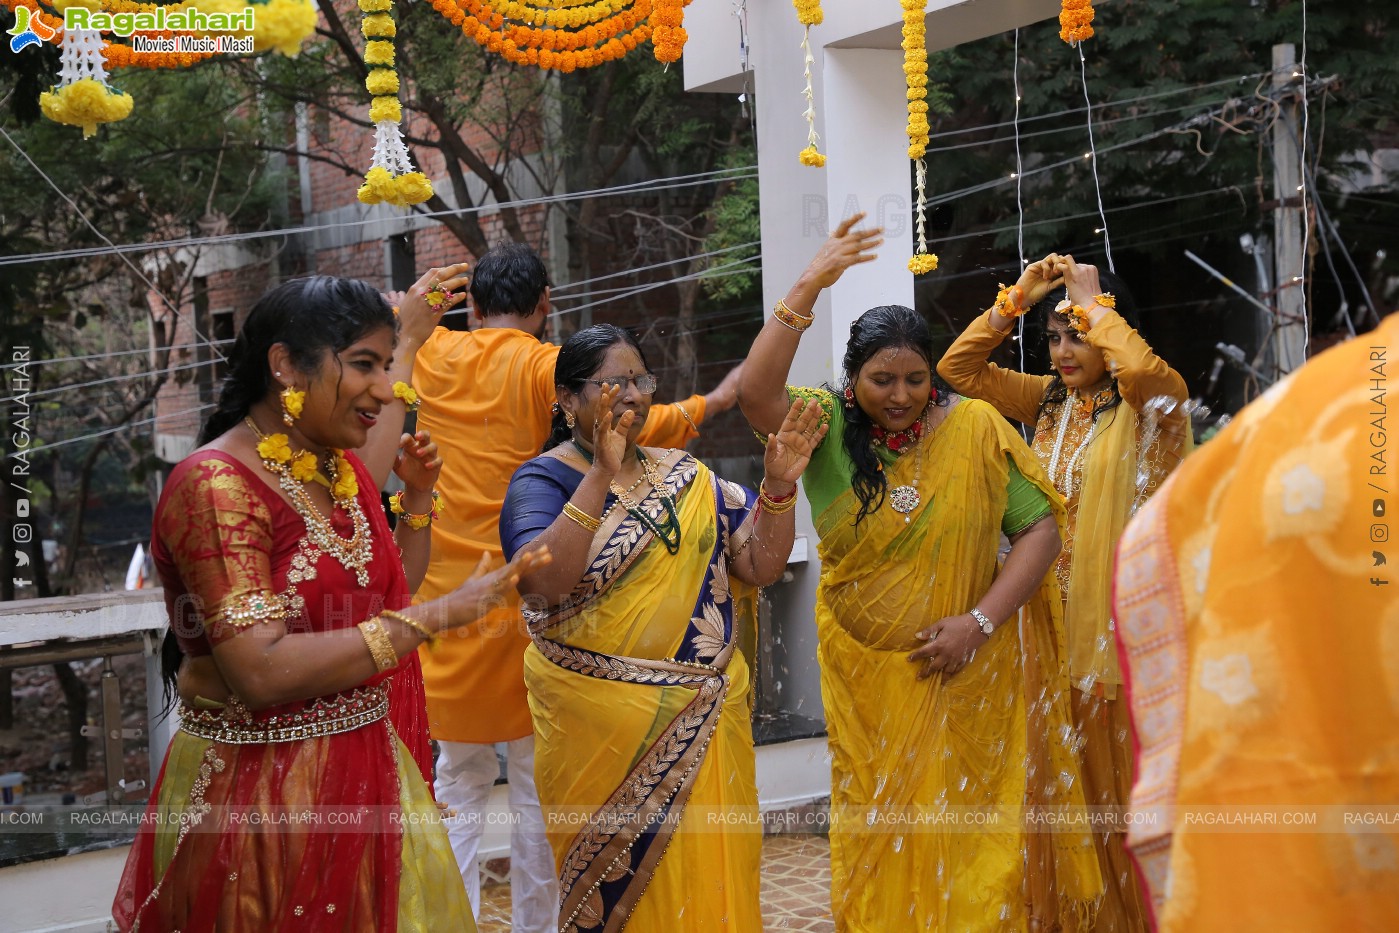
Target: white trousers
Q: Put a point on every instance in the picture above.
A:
(466, 772)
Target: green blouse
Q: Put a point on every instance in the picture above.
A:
(832, 471)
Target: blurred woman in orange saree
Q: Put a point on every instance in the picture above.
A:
(289, 801)
(1258, 612)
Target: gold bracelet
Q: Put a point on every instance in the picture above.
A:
(582, 518)
(381, 648)
(779, 506)
(428, 636)
(686, 416)
(792, 319)
(414, 520)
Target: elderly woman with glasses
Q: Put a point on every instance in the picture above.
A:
(637, 690)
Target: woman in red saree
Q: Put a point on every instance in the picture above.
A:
(290, 802)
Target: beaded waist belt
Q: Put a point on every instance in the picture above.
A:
(343, 712)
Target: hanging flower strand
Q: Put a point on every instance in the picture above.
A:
(809, 14)
(82, 96)
(391, 178)
(915, 48)
(1074, 19)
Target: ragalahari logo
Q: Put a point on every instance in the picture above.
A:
(29, 30)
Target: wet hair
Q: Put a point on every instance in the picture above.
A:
(580, 356)
(313, 316)
(883, 328)
(1037, 336)
(509, 279)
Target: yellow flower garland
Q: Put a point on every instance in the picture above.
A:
(303, 465)
(565, 35)
(391, 178)
(85, 103)
(915, 46)
(1074, 19)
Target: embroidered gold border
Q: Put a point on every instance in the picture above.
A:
(344, 712)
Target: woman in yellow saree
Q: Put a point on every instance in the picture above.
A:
(639, 697)
(1110, 424)
(941, 671)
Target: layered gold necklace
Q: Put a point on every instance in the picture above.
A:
(294, 469)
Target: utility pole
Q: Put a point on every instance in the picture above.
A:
(1290, 335)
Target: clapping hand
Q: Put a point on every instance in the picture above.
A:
(789, 450)
(484, 591)
(418, 463)
(609, 442)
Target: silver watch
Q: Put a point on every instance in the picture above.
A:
(986, 627)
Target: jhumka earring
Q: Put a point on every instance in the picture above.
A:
(849, 397)
(292, 400)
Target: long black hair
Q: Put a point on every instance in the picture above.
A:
(313, 316)
(883, 328)
(580, 356)
(1037, 337)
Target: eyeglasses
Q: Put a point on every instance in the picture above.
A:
(645, 383)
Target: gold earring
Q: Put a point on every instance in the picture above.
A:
(292, 400)
(569, 420)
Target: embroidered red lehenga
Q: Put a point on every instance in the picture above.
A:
(308, 816)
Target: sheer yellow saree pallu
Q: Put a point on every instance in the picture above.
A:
(644, 753)
(930, 777)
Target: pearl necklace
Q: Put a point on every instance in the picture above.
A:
(353, 554)
(1065, 483)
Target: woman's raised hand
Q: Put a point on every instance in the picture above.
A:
(1081, 281)
(486, 590)
(418, 463)
(845, 247)
(610, 442)
(437, 292)
(1040, 278)
(789, 450)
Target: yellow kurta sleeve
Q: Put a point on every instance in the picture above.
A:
(1015, 395)
(673, 425)
(1141, 374)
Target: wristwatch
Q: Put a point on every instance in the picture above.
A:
(986, 627)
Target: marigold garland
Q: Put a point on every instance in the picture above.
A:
(565, 35)
(391, 178)
(915, 46)
(1074, 19)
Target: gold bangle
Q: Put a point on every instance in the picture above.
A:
(790, 318)
(686, 415)
(428, 636)
(582, 518)
(381, 649)
(775, 507)
(414, 520)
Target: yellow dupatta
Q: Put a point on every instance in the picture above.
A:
(626, 734)
(1125, 464)
(929, 777)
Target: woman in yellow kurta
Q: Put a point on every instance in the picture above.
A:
(1257, 610)
(639, 696)
(1110, 424)
(945, 703)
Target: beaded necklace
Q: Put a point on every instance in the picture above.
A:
(354, 553)
(668, 529)
(1064, 481)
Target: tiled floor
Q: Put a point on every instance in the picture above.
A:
(796, 888)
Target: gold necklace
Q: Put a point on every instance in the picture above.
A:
(354, 553)
(904, 499)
